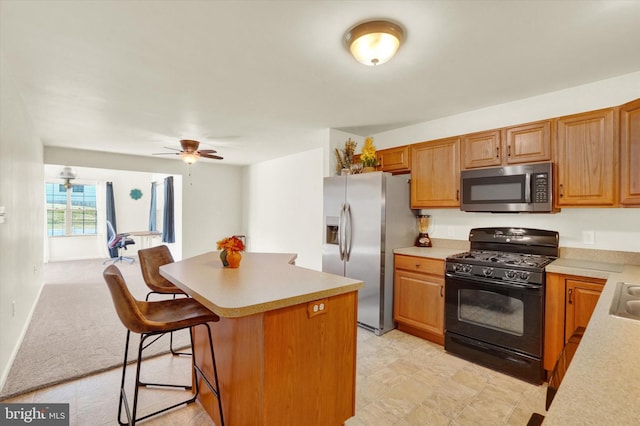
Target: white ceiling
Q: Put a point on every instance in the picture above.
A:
(261, 79)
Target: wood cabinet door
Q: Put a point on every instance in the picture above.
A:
(394, 160)
(587, 156)
(481, 149)
(435, 174)
(581, 298)
(528, 143)
(630, 154)
(419, 301)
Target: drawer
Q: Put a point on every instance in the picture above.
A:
(419, 264)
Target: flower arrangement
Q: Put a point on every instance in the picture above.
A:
(231, 248)
(230, 244)
(368, 156)
(345, 158)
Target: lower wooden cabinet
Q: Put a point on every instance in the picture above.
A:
(569, 303)
(418, 306)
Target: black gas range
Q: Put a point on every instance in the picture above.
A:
(494, 299)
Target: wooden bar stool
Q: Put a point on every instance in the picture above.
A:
(151, 259)
(151, 320)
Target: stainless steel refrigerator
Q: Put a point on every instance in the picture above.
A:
(366, 216)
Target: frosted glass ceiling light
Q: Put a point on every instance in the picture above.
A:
(67, 174)
(375, 42)
(190, 157)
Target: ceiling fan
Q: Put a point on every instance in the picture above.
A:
(190, 153)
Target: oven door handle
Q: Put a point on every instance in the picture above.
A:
(495, 283)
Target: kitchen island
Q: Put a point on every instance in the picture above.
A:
(285, 343)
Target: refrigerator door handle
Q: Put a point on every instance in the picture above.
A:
(348, 232)
(341, 227)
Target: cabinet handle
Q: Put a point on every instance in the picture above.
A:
(441, 291)
(508, 150)
(457, 195)
(561, 190)
(417, 265)
(497, 152)
(570, 294)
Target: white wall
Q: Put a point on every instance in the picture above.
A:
(21, 194)
(284, 206)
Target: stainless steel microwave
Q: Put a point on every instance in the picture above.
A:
(509, 189)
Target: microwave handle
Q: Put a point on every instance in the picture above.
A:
(527, 188)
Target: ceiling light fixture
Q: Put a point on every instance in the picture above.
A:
(68, 174)
(190, 157)
(374, 42)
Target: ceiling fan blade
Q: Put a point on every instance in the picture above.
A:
(167, 153)
(207, 151)
(173, 149)
(215, 157)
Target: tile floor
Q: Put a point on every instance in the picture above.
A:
(401, 380)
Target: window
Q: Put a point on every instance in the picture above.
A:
(71, 212)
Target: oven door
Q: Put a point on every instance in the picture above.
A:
(504, 314)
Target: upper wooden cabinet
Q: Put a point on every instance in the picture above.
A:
(526, 143)
(435, 174)
(630, 154)
(395, 160)
(481, 149)
(586, 148)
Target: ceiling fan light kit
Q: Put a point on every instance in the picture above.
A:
(190, 153)
(190, 157)
(374, 42)
(67, 174)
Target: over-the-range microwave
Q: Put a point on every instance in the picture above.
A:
(509, 189)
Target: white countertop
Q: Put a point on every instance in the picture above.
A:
(431, 252)
(602, 385)
(263, 282)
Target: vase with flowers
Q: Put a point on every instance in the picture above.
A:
(368, 156)
(230, 251)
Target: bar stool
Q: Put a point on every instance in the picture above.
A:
(151, 259)
(151, 320)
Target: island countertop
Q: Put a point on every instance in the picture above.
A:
(263, 282)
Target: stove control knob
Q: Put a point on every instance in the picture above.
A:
(524, 275)
(511, 274)
(487, 272)
(457, 267)
(467, 269)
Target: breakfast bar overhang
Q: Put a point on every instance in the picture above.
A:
(285, 345)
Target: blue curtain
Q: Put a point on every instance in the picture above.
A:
(111, 217)
(168, 234)
(152, 209)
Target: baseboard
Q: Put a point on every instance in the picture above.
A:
(23, 332)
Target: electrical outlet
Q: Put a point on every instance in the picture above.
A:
(588, 237)
(13, 308)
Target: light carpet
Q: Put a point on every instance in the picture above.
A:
(75, 331)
